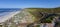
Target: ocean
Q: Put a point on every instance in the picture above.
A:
(7, 13)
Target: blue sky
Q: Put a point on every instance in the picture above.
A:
(29, 3)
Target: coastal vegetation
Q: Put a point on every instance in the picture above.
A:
(39, 12)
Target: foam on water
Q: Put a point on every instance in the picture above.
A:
(6, 13)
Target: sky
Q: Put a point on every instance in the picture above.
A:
(29, 3)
